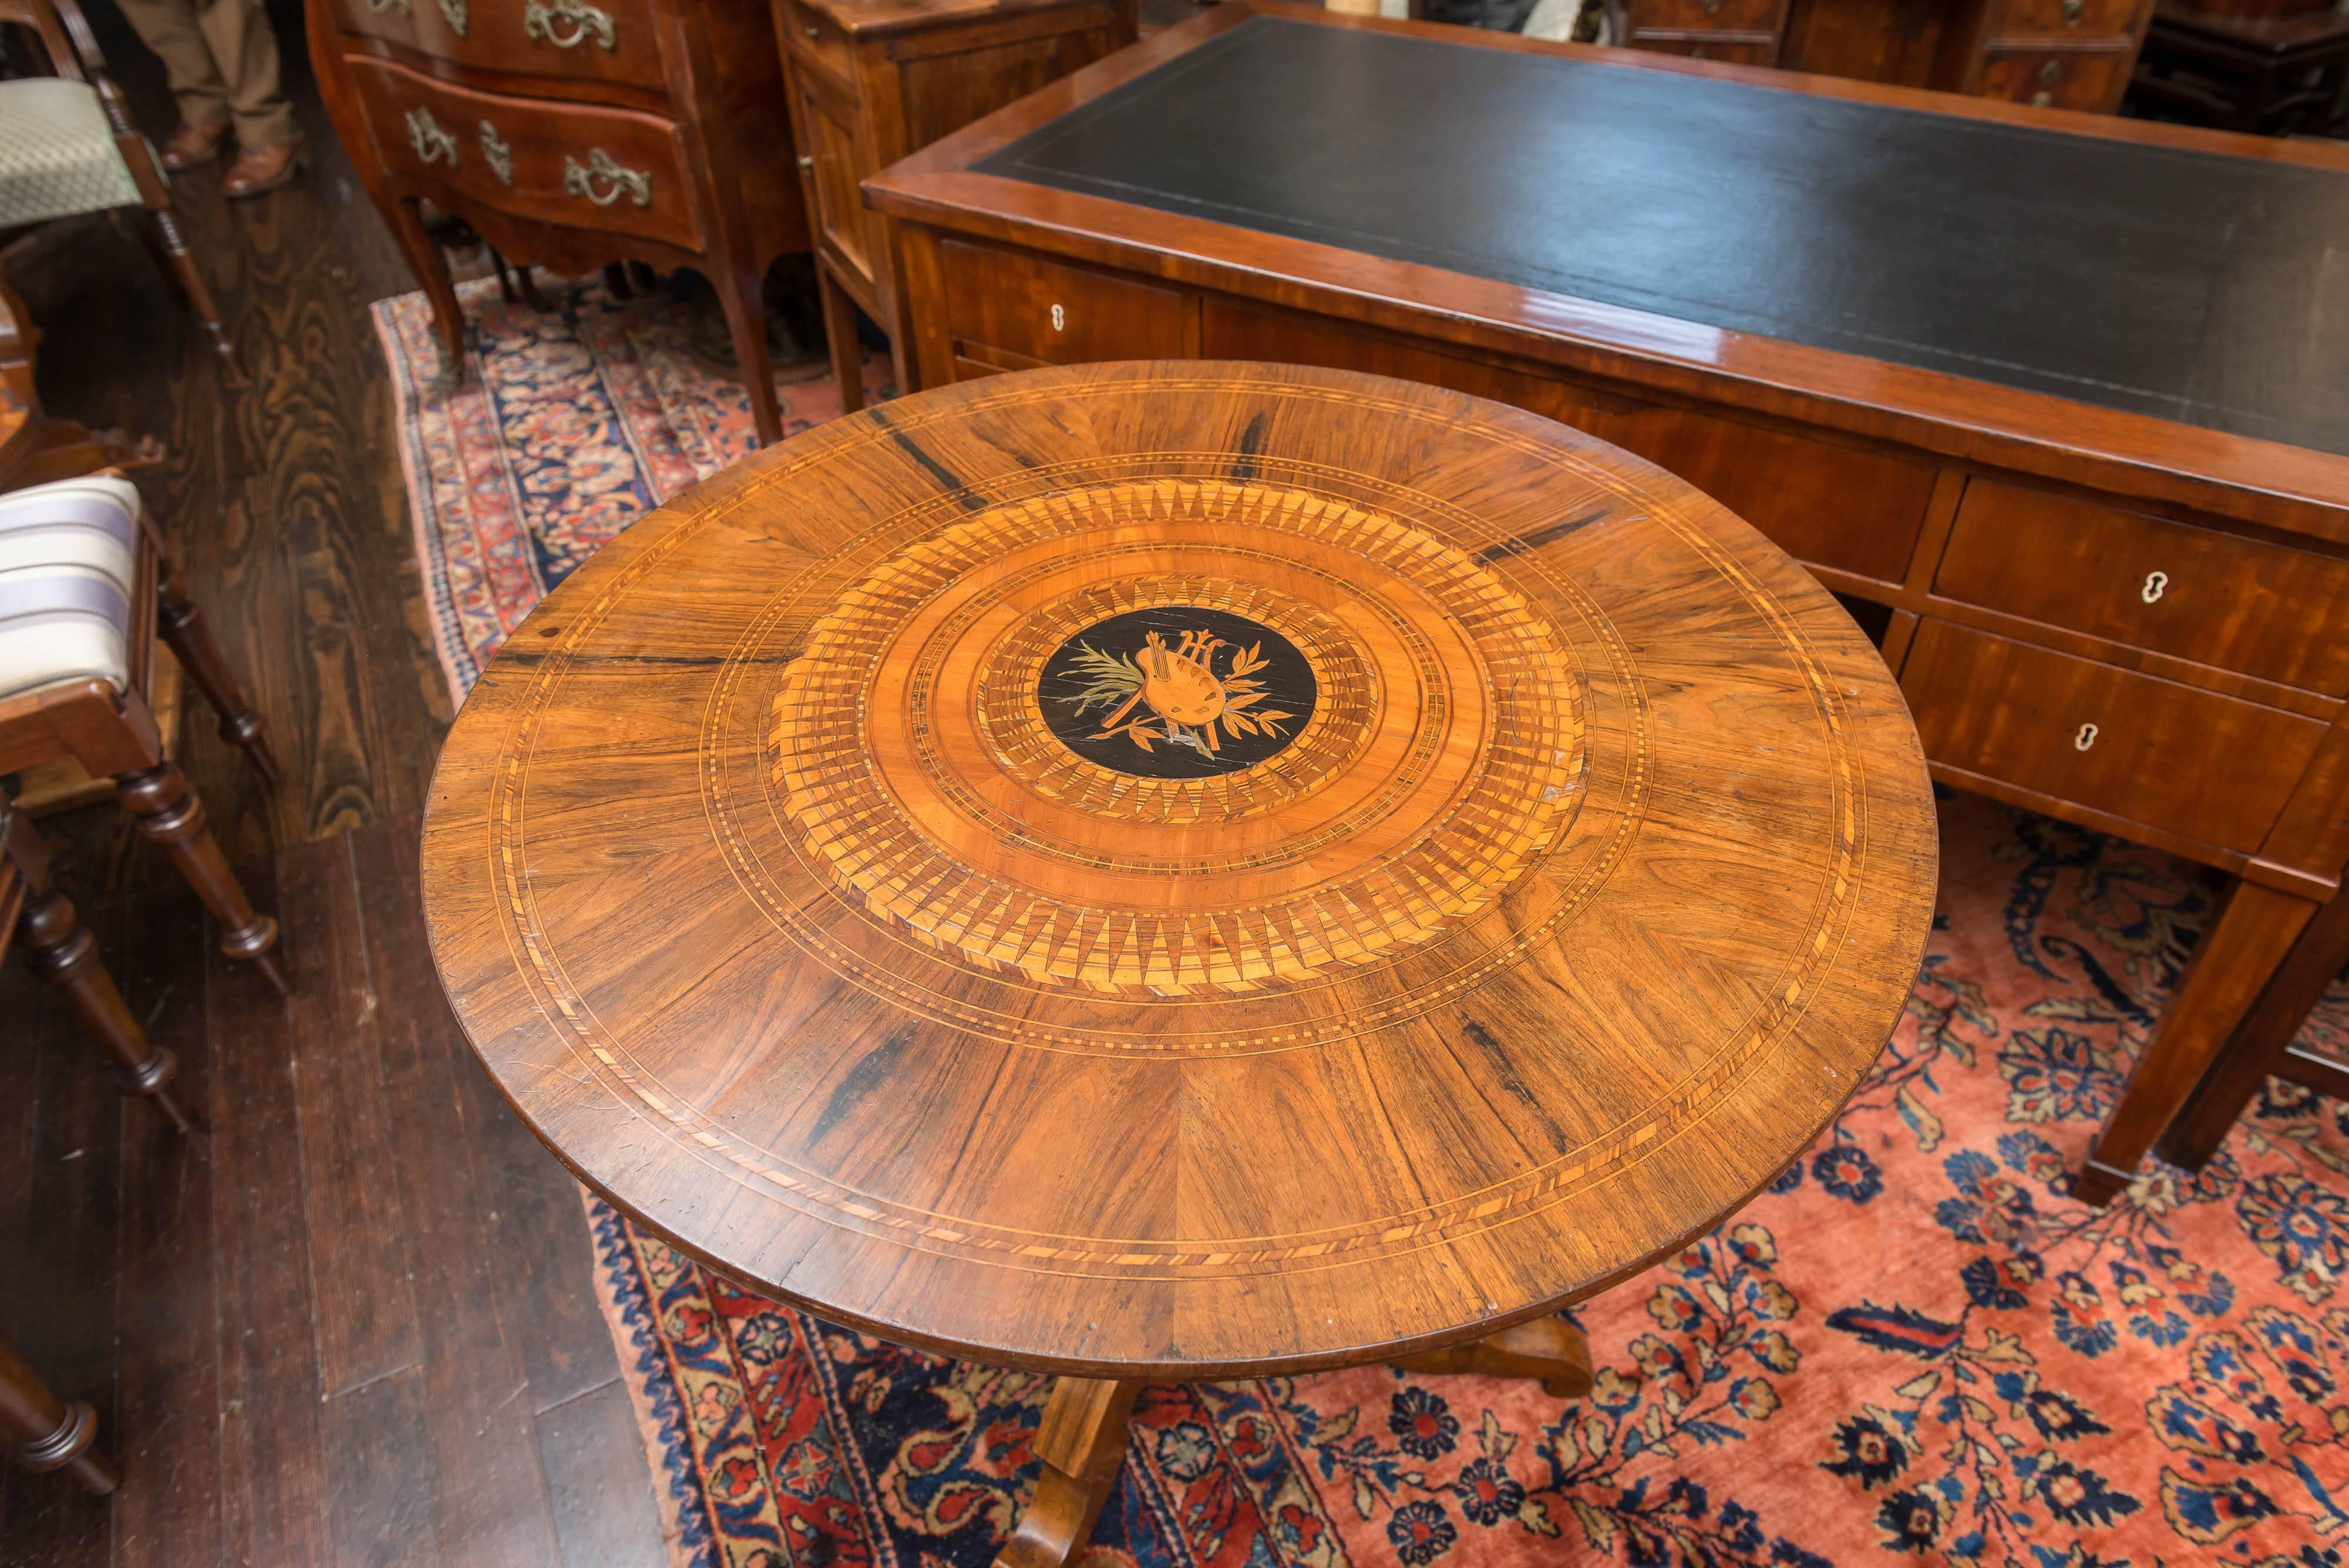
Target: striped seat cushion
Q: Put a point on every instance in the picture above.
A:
(68, 555)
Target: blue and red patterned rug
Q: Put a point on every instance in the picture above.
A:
(1916, 1346)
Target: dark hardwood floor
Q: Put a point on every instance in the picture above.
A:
(350, 1322)
(284, 502)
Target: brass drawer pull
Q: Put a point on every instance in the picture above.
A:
(1709, 8)
(579, 181)
(2156, 584)
(2085, 739)
(2042, 100)
(540, 20)
(456, 11)
(432, 143)
(1059, 320)
(498, 152)
(2073, 11)
(2051, 73)
(380, 7)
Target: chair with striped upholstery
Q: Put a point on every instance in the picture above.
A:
(86, 588)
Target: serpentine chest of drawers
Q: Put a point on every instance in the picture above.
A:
(574, 133)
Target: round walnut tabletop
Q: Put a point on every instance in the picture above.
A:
(1177, 871)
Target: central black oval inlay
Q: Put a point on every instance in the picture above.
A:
(1176, 692)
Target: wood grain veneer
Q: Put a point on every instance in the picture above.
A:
(796, 907)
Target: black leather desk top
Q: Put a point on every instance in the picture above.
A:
(2194, 286)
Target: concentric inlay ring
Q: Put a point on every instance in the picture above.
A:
(912, 753)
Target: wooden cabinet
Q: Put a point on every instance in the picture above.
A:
(870, 82)
(1742, 32)
(2050, 54)
(574, 133)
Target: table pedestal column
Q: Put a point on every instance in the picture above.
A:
(1083, 1438)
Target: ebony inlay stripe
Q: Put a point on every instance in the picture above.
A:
(2151, 279)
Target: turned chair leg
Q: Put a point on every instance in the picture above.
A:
(185, 628)
(47, 1433)
(63, 952)
(169, 813)
(172, 251)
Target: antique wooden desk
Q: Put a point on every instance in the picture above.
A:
(1168, 872)
(871, 80)
(2060, 403)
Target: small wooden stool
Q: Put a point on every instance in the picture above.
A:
(86, 588)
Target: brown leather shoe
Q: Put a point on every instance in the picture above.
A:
(194, 144)
(259, 169)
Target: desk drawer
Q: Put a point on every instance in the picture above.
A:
(1735, 49)
(1704, 17)
(563, 164)
(2056, 79)
(1059, 315)
(607, 40)
(2262, 610)
(2174, 757)
(818, 39)
(2068, 18)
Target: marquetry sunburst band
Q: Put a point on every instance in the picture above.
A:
(1166, 737)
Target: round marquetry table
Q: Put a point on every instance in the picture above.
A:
(1172, 872)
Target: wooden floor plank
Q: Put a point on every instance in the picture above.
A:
(605, 1511)
(274, 1467)
(378, 1455)
(546, 1278)
(359, 1253)
(167, 1426)
(491, 1500)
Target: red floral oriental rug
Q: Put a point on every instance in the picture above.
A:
(1915, 1346)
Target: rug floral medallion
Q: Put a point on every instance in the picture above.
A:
(1916, 1346)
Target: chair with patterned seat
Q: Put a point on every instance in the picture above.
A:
(68, 147)
(86, 589)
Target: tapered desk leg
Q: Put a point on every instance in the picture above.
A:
(1082, 1442)
(1549, 1348)
(2233, 962)
(2263, 1044)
